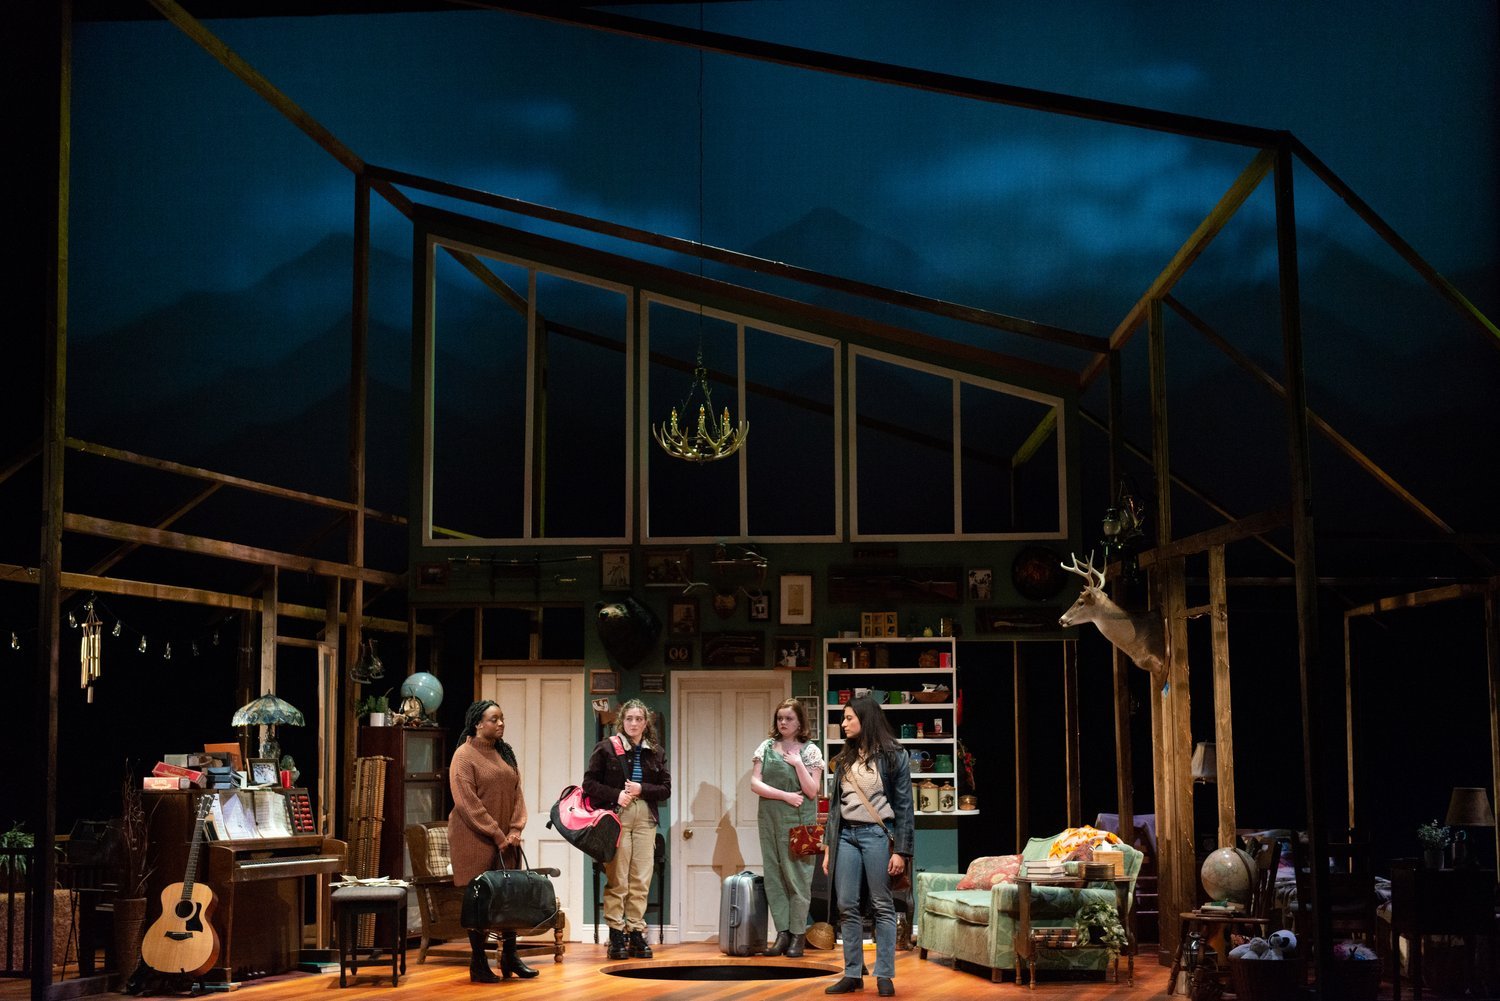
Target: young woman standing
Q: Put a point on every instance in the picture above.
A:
(787, 775)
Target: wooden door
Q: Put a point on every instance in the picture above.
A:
(544, 723)
(718, 719)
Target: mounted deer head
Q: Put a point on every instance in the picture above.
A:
(1138, 635)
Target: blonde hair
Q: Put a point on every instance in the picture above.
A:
(803, 734)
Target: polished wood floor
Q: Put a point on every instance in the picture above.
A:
(585, 973)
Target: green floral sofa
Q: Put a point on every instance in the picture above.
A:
(979, 926)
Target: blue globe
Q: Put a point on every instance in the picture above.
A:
(426, 687)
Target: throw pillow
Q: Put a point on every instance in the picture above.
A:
(438, 862)
(989, 871)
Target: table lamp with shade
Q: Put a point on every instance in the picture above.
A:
(1468, 807)
(268, 711)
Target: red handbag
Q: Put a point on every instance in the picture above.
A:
(805, 839)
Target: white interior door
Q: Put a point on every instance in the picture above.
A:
(545, 725)
(719, 717)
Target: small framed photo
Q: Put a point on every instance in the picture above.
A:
(604, 682)
(677, 654)
(614, 570)
(793, 652)
(796, 599)
(981, 584)
(683, 618)
(653, 682)
(263, 772)
(668, 567)
(760, 607)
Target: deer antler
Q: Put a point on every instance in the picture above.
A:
(1094, 577)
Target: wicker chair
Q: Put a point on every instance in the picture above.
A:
(439, 902)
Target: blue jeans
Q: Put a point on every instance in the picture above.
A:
(864, 853)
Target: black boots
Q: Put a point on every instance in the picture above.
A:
(794, 946)
(639, 947)
(479, 963)
(845, 985)
(617, 944)
(783, 939)
(510, 959)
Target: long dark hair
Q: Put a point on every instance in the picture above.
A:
(875, 736)
(472, 716)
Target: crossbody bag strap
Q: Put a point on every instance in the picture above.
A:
(873, 812)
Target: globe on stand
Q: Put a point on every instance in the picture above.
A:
(426, 687)
(1229, 875)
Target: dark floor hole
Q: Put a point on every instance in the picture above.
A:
(717, 971)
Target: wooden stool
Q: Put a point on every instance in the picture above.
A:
(349, 902)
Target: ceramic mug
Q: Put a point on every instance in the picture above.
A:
(908, 731)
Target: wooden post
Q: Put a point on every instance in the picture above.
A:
(269, 596)
(1351, 815)
(1305, 565)
(1223, 710)
(330, 662)
(1492, 660)
(1074, 779)
(359, 339)
(1124, 763)
(1023, 792)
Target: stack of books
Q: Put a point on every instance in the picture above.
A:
(1221, 907)
(1045, 869)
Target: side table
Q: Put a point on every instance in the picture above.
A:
(1029, 946)
(1437, 902)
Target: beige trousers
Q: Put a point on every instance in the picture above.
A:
(628, 875)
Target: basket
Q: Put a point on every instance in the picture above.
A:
(1267, 979)
(820, 935)
(929, 697)
(1352, 980)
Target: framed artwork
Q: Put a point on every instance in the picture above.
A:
(796, 599)
(876, 624)
(264, 772)
(604, 682)
(431, 576)
(760, 608)
(746, 649)
(793, 652)
(725, 602)
(682, 620)
(981, 584)
(667, 567)
(653, 682)
(614, 570)
(678, 654)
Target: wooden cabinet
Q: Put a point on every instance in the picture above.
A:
(908, 665)
(416, 785)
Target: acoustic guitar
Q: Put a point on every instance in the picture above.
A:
(183, 939)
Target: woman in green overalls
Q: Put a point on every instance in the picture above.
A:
(788, 778)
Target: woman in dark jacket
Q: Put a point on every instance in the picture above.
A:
(629, 773)
(870, 832)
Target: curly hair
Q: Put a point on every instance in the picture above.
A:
(803, 734)
(650, 734)
(473, 715)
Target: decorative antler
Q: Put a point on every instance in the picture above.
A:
(1094, 577)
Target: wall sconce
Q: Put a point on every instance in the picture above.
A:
(1205, 765)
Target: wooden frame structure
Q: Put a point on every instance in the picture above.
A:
(1275, 154)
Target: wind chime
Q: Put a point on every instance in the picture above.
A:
(91, 649)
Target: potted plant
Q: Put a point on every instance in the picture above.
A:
(376, 707)
(1098, 923)
(15, 850)
(1434, 839)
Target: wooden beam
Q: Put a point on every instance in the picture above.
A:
(1229, 203)
(1242, 528)
(1350, 814)
(120, 552)
(199, 473)
(1072, 767)
(1022, 763)
(1223, 703)
(1416, 599)
(1383, 229)
(21, 461)
(108, 529)
(759, 265)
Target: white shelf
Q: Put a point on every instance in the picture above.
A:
(838, 706)
(856, 640)
(887, 670)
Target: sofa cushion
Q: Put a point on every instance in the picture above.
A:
(438, 862)
(986, 871)
(969, 906)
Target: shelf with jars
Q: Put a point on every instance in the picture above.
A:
(915, 680)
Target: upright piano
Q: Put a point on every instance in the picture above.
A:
(259, 885)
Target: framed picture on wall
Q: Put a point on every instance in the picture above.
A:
(667, 567)
(678, 654)
(604, 682)
(792, 652)
(981, 584)
(614, 570)
(760, 608)
(796, 599)
(683, 617)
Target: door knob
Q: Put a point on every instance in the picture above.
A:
(687, 834)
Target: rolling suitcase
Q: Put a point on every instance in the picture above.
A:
(742, 914)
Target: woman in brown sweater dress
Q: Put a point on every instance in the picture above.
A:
(484, 829)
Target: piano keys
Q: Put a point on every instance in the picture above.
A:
(260, 885)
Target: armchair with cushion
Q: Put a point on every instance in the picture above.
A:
(439, 902)
(978, 925)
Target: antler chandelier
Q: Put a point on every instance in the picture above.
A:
(713, 437)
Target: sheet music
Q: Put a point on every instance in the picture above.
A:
(238, 811)
(215, 829)
(271, 815)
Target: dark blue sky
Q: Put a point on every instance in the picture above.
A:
(183, 179)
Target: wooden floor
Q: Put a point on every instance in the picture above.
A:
(583, 974)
